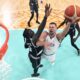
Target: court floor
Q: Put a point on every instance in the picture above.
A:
(66, 67)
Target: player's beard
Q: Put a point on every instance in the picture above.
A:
(52, 34)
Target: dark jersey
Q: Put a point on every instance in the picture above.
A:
(72, 26)
(34, 2)
(30, 43)
(35, 51)
(72, 29)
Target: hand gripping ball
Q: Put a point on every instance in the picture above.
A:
(72, 13)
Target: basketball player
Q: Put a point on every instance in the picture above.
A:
(71, 32)
(34, 8)
(35, 51)
(51, 40)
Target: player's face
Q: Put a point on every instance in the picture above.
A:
(52, 28)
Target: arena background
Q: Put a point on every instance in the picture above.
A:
(15, 14)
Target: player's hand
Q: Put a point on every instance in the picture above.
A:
(48, 10)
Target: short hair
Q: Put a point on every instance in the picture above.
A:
(53, 23)
(28, 33)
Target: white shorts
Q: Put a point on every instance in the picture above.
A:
(51, 58)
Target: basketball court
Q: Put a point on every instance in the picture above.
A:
(15, 15)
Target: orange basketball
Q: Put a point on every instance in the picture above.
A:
(72, 13)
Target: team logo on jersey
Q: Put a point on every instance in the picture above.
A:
(52, 45)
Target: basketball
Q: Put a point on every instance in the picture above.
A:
(72, 13)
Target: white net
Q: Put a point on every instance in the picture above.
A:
(5, 70)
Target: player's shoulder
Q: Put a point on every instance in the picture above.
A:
(44, 35)
(45, 32)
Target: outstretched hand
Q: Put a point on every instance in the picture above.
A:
(48, 10)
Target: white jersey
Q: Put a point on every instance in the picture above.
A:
(50, 53)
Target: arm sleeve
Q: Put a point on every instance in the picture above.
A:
(39, 31)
